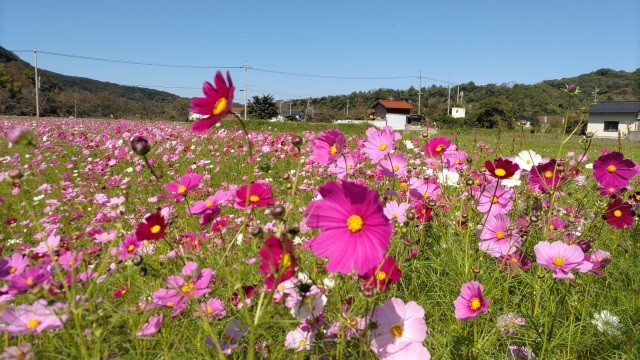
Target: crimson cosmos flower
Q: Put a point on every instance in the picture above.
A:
(152, 228)
(501, 168)
(619, 214)
(215, 104)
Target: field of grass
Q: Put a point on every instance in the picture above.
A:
(72, 207)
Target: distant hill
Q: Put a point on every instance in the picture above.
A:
(62, 95)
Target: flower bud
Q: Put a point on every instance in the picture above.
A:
(296, 141)
(265, 167)
(469, 182)
(585, 245)
(589, 135)
(140, 145)
(15, 174)
(137, 260)
(572, 88)
(411, 216)
(286, 176)
(255, 231)
(278, 211)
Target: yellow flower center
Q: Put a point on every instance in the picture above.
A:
(285, 260)
(439, 148)
(499, 234)
(382, 147)
(528, 162)
(169, 304)
(254, 198)
(611, 168)
(349, 167)
(182, 189)
(220, 106)
(156, 229)
(130, 248)
(381, 275)
(209, 310)
(514, 260)
(548, 174)
(396, 331)
(12, 269)
(302, 343)
(187, 287)
(29, 281)
(333, 149)
(494, 199)
(558, 261)
(394, 215)
(208, 203)
(404, 186)
(617, 213)
(395, 168)
(354, 223)
(33, 323)
(474, 304)
(500, 172)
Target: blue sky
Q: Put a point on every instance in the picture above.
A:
(490, 41)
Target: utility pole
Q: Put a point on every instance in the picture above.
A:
(246, 67)
(347, 107)
(449, 98)
(419, 91)
(37, 80)
(458, 96)
(595, 95)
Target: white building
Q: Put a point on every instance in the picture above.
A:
(606, 119)
(457, 112)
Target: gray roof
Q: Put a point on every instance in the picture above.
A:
(616, 107)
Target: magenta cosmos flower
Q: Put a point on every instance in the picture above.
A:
(152, 326)
(394, 166)
(437, 145)
(382, 275)
(379, 143)
(191, 284)
(277, 261)
(30, 319)
(561, 258)
(470, 303)
(398, 326)
(613, 170)
(256, 194)
(619, 214)
(355, 233)
(215, 104)
(180, 189)
(327, 146)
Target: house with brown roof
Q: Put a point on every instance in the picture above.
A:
(607, 119)
(394, 112)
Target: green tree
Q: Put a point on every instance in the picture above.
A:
(262, 107)
(492, 113)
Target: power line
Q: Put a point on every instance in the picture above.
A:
(129, 61)
(334, 77)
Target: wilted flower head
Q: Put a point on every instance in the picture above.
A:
(606, 322)
(510, 323)
(140, 145)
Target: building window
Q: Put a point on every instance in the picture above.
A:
(611, 126)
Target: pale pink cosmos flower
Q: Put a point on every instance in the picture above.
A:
(394, 166)
(379, 143)
(30, 319)
(192, 284)
(343, 166)
(214, 307)
(396, 212)
(12, 266)
(495, 199)
(561, 258)
(48, 245)
(152, 326)
(398, 325)
(299, 339)
(496, 238)
(471, 302)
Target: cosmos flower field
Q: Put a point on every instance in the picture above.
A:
(124, 239)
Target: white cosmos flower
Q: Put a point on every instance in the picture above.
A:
(527, 159)
(606, 322)
(448, 177)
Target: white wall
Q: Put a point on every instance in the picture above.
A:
(397, 121)
(457, 112)
(626, 122)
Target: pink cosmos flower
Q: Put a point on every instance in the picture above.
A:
(423, 190)
(30, 319)
(209, 208)
(343, 166)
(299, 339)
(327, 146)
(382, 275)
(256, 194)
(30, 278)
(549, 175)
(213, 308)
(48, 245)
(12, 266)
(471, 302)
(495, 199)
(398, 326)
(277, 261)
(70, 260)
(355, 233)
(436, 146)
(234, 331)
(454, 159)
(613, 170)
(128, 247)
(215, 104)
(187, 183)
(396, 212)
(619, 214)
(495, 237)
(192, 284)
(561, 258)
(379, 143)
(394, 166)
(152, 326)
